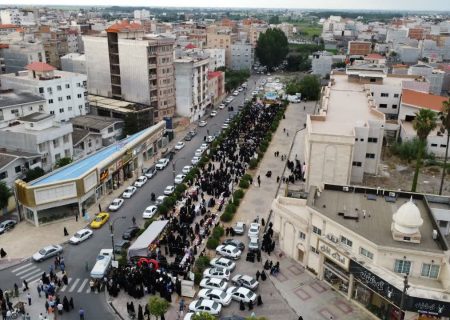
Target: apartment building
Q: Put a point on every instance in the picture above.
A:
(16, 55)
(74, 62)
(368, 244)
(14, 164)
(39, 133)
(321, 63)
(110, 129)
(18, 17)
(434, 76)
(242, 56)
(344, 140)
(65, 92)
(216, 58)
(216, 86)
(125, 63)
(85, 142)
(16, 104)
(359, 48)
(221, 40)
(191, 74)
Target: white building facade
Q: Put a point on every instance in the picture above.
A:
(216, 58)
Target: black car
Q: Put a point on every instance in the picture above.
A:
(121, 245)
(130, 233)
(239, 244)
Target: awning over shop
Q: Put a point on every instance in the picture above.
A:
(140, 248)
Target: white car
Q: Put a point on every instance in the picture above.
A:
(213, 113)
(179, 145)
(129, 192)
(162, 163)
(140, 181)
(229, 251)
(195, 160)
(169, 190)
(7, 225)
(47, 252)
(149, 212)
(225, 126)
(221, 106)
(160, 200)
(245, 281)
(235, 93)
(204, 147)
(222, 262)
(216, 295)
(202, 123)
(214, 283)
(81, 235)
(198, 153)
(179, 178)
(253, 244)
(115, 204)
(217, 272)
(186, 169)
(253, 231)
(254, 93)
(210, 139)
(242, 294)
(239, 228)
(205, 305)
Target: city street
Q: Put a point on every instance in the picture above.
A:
(76, 257)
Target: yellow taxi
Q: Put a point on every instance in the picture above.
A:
(100, 219)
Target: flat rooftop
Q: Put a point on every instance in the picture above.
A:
(7, 156)
(94, 122)
(16, 98)
(111, 104)
(347, 107)
(376, 227)
(36, 117)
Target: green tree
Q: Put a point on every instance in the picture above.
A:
(274, 20)
(157, 306)
(424, 123)
(444, 116)
(33, 174)
(293, 87)
(256, 318)
(272, 48)
(339, 65)
(310, 87)
(203, 316)
(63, 162)
(5, 193)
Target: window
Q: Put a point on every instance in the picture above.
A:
(317, 230)
(362, 140)
(41, 90)
(394, 106)
(443, 224)
(61, 110)
(15, 112)
(3, 175)
(356, 164)
(373, 140)
(41, 108)
(346, 241)
(57, 157)
(430, 270)
(52, 112)
(396, 95)
(402, 266)
(67, 153)
(67, 86)
(58, 88)
(110, 129)
(443, 146)
(366, 253)
(79, 95)
(49, 90)
(384, 95)
(70, 108)
(373, 80)
(17, 169)
(383, 106)
(434, 144)
(66, 138)
(60, 99)
(41, 147)
(55, 143)
(30, 108)
(50, 101)
(302, 236)
(68, 97)
(370, 155)
(314, 250)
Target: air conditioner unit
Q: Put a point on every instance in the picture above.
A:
(346, 189)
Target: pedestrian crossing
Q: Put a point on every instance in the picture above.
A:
(31, 273)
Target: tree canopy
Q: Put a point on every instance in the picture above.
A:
(203, 316)
(308, 86)
(157, 306)
(63, 162)
(33, 174)
(5, 193)
(272, 48)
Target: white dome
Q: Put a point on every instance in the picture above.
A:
(407, 219)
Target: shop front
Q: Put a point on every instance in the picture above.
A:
(428, 309)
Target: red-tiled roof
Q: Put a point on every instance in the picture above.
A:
(8, 26)
(374, 56)
(4, 46)
(214, 74)
(39, 67)
(422, 100)
(190, 46)
(124, 25)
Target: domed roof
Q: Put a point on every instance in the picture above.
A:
(408, 215)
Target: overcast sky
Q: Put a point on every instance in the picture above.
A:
(441, 5)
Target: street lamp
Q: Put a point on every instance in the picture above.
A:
(111, 229)
(404, 295)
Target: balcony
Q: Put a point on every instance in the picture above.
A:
(151, 66)
(154, 98)
(152, 76)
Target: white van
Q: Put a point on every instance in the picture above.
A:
(102, 264)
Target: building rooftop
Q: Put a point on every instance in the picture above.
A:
(125, 26)
(214, 74)
(40, 67)
(14, 98)
(80, 134)
(376, 227)
(94, 122)
(6, 159)
(7, 156)
(422, 100)
(36, 117)
(112, 104)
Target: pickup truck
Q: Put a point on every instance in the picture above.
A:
(102, 264)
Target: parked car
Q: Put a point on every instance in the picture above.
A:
(229, 251)
(151, 172)
(149, 212)
(213, 113)
(129, 192)
(225, 126)
(169, 190)
(140, 181)
(186, 169)
(47, 252)
(253, 231)
(160, 200)
(253, 244)
(217, 272)
(223, 263)
(216, 295)
(81, 235)
(202, 123)
(179, 145)
(198, 153)
(193, 133)
(162, 163)
(7, 225)
(235, 93)
(236, 243)
(121, 245)
(116, 204)
(210, 139)
(179, 178)
(130, 233)
(221, 106)
(242, 294)
(195, 160)
(239, 228)
(205, 305)
(245, 281)
(99, 220)
(213, 283)
(187, 137)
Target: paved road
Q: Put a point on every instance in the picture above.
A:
(76, 256)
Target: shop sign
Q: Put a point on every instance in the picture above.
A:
(429, 307)
(377, 284)
(104, 175)
(333, 254)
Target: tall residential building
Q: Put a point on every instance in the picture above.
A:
(18, 17)
(221, 40)
(16, 104)
(216, 58)
(65, 92)
(19, 54)
(191, 74)
(321, 63)
(125, 63)
(216, 85)
(242, 57)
